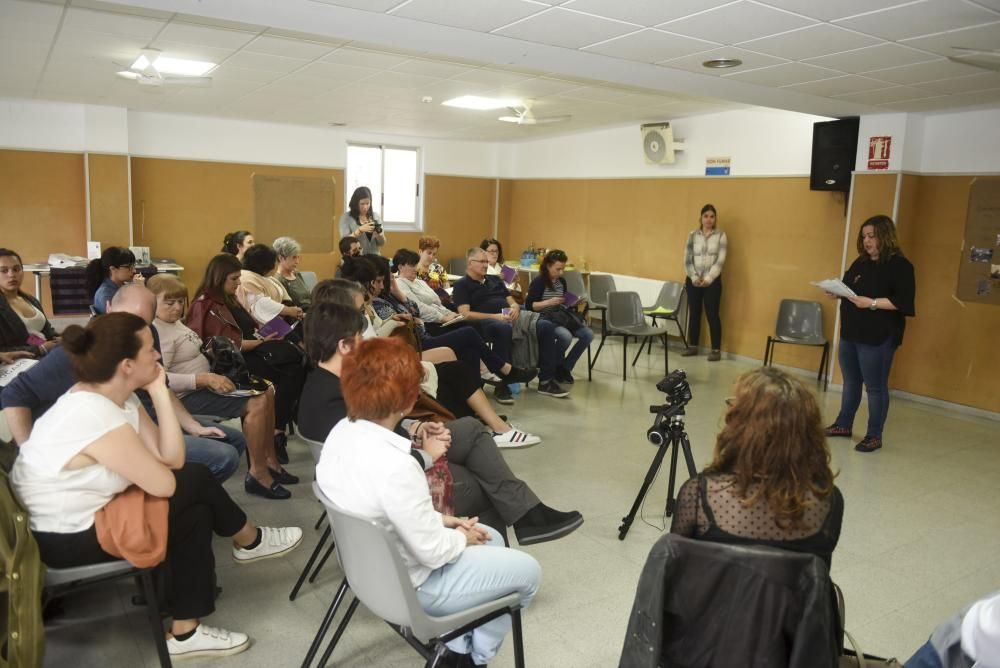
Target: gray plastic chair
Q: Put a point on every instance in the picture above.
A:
(457, 266)
(315, 448)
(574, 283)
(309, 278)
(375, 572)
(625, 319)
(62, 581)
(600, 286)
(669, 305)
(800, 323)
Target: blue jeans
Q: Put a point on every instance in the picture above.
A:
(220, 455)
(584, 336)
(550, 349)
(925, 657)
(481, 573)
(869, 364)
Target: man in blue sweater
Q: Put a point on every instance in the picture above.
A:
(34, 391)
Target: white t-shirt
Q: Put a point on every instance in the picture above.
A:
(60, 500)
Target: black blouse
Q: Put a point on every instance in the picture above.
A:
(892, 280)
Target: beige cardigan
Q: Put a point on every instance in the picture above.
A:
(260, 296)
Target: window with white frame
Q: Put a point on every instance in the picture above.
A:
(393, 175)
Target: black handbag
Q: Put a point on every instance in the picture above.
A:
(563, 316)
(279, 353)
(226, 360)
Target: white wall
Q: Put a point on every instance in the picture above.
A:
(961, 142)
(56, 126)
(761, 142)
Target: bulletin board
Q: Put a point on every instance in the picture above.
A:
(979, 268)
(300, 207)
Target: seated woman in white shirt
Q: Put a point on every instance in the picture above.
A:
(432, 311)
(204, 393)
(95, 442)
(261, 297)
(366, 469)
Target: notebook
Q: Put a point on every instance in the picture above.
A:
(276, 325)
(508, 274)
(9, 371)
(569, 299)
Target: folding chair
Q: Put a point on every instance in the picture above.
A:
(625, 318)
(669, 305)
(600, 286)
(315, 448)
(800, 323)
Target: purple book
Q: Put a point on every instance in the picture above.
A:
(508, 274)
(276, 325)
(569, 299)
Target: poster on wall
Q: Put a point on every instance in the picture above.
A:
(718, 166)
(878, 152)
(979, 266)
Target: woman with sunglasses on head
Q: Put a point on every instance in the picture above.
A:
(547, 295)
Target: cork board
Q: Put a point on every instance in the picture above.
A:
(301, 207)
(979, 265)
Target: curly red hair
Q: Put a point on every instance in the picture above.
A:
(380, 378)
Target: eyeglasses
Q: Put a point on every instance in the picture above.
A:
(478, 260)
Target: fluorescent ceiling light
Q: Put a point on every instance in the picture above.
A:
(481, 103)
(180, 66)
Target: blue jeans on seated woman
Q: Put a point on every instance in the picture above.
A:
(583, 335)
(220, 455)
(481, 573)
(863, 363)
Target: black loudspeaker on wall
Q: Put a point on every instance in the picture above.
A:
(835, 146)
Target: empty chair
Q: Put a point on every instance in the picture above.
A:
(376, 574)
(625, 318)
(800, 323)
(309, 278)
(457, 266)
(600, 286)
(669, 305)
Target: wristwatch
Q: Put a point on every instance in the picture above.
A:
(874, 306)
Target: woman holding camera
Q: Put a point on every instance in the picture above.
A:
(770, 481)
(871, 327)
(360, 222)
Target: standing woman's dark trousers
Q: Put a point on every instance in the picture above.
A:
(711, 297)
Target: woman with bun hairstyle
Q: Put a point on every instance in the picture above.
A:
(95, 442)
(236, 243)
(105, 275)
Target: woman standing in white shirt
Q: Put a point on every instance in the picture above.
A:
(96, 441)
(704, 256)
(366, 469)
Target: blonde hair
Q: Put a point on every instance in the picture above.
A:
(167, 285)
(773, 435)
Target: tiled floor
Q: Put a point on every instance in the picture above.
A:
(920, 535)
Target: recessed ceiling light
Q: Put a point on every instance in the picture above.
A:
(481, 103)
(165, 65)
(722, 63)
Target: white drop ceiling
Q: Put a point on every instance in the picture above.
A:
(371, 63)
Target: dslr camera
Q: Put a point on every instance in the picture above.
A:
(378, 227)
(675, 386)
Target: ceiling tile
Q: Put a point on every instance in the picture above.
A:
(839, 86)
(135, 27)
(30, 12)
(597, 94)
(449, 88)
(871, 58)
(984, 37)
(992, 4)
(336, 71)
(538, 87)
(784, 75)
(84, 43)
(930, 71)
(927, 104)
(490, 77)
(738, 22)
(399, 80)
(829, 11)
(694, 62)
(364, 58)
(227, 71)
(264, 62)
(920, 18)
(562, 27)
(186, 33)
(431, 68)
(368, 5)
(481, 15)
(818, 40)
(651, 46)
(193, 51)
(887, 95)
(643, 12)
(958, 85)
(288, 48)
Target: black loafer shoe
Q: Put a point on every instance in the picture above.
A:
(519, 375)
(275, 491)
(543, 524)
(503, 395)
(281, 448)
(283, 477)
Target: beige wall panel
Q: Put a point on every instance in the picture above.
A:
(109, 199)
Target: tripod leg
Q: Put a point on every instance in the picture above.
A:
(688, 457)
(671, 499)
(650, 475)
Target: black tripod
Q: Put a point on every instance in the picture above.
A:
(667, 430)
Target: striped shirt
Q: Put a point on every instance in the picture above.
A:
(704, 256)
(555, 291)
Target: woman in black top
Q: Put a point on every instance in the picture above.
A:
(770, 481)
(871, 327)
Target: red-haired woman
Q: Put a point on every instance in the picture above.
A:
(366, 469)
(770, 482)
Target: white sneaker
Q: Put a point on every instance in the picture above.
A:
(273, 543)
(515, 438)
(208, 641)
(491, 378)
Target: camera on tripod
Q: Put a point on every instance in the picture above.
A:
(678, 391)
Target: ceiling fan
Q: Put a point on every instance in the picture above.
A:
(524, 116)
(988, 59)
(151, 68)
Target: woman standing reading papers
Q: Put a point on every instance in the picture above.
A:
(704, 255)
(871, 327)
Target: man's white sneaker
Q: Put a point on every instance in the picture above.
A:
(208, 641)
(515, 438)
(273, 543)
